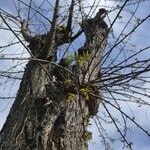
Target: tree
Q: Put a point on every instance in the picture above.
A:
(59, 95)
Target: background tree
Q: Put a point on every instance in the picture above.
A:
(69, 73)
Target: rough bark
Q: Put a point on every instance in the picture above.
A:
(42, 117)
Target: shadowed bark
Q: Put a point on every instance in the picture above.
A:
(42, 116)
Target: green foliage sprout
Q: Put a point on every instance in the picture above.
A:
(88, 135)
(68, 81)
(71, 97)
(85, 92)
(70, 58)
(61, 29)
(82, 60)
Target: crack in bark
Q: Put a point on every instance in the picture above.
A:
(45, 119)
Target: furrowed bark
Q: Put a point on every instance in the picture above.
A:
(43, 116)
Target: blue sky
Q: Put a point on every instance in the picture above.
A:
(141, 39)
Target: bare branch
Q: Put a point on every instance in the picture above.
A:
(49, 50)
(70, 17)
(25, 32)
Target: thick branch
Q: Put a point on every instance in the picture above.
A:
(69, 23)
(25, 32)
(49, 50)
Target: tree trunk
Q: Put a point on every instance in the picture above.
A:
(44, 116)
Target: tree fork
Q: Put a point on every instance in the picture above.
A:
(42, 117)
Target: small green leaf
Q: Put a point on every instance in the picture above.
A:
(82, 60)
(71, 97)
(85, 92)
(70, 58)
(88, 135)
(61, 28)
(68, 81)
